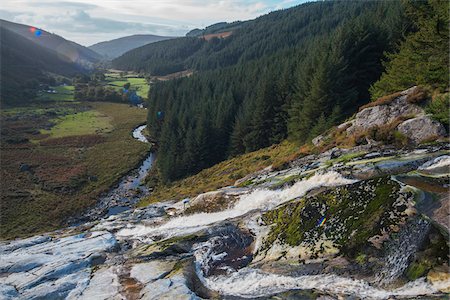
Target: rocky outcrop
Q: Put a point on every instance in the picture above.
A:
(385, 113)
(328, 223)
(421, 129)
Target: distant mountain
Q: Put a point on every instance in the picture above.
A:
(115, 48)
(67, 50)
(26, 64)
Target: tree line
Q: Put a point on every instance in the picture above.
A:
(289, 74)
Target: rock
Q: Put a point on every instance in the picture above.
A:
(153, 270)
(46, 268)
(421, 129)
(440, 278)
(437, 166)
(384, 114)
(104, 284)
(318, 140)
(211, 202)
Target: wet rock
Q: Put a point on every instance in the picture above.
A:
(228, 248)
(211, 202)
(46, 267)
(440, 278)
(104, 284)
(421, 129)
(354, 213)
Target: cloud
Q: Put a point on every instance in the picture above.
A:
(87, 21)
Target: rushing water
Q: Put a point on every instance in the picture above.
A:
(260, 199)
(222, 250)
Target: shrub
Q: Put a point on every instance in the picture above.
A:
(439, 109)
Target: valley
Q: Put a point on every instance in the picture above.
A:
(300, 153)
(58, 158)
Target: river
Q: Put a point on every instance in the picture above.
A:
(129, 190)
(163, 252)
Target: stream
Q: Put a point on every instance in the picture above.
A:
(164, 252)
(127, 192)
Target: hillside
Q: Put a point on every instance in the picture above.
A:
(362, 222)
(25, 64)
(290, 73)
(115, 48)
(68, 50)
(215, 29)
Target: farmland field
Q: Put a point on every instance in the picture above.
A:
(57, 160)
(118, 80)
(62, 93)
(82, 123)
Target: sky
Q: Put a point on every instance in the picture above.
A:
(90, 21)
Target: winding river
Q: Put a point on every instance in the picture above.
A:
(126, 194)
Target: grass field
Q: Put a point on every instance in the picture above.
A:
(137, 83)
(82, 123)
(49, 176)
(63, 93)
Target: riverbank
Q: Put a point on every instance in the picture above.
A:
(46, 179)
(128, 190)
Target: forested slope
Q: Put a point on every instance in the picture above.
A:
(292, 72)
(25, 64)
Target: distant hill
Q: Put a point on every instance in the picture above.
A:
(65, 49)
(115, 48)
(26, 64)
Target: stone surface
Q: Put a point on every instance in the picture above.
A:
(384, 114)
(178, 257)
(421, 129)
(211, 202)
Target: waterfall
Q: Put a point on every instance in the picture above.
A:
(400, 250)
(260, 199)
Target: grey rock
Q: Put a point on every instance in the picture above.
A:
(421, 129)
(384, 114)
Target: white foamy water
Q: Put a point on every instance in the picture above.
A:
(251, 283)
(137, 134)
(261, 199)
(439, 162)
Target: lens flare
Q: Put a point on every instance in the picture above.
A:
(321, 221)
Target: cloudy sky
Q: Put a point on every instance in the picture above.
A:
(91, 21)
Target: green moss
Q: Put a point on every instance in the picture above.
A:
(246, 183)
(361, 259)
(345, 158)
(288, 180)
(417, 269)
(354, 213)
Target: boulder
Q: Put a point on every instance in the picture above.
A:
(421, 129)
(211, 202)
(385, 113)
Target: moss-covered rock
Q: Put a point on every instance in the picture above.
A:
(345, 217)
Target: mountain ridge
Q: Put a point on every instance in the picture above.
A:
(116, 47)
(65, 48)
